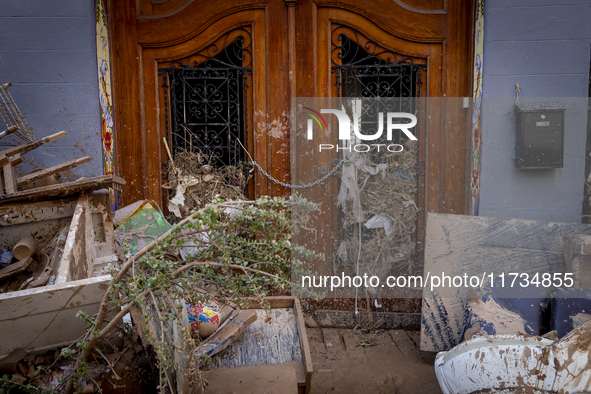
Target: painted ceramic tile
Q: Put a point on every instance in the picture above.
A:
(476, 164)
(106, 104)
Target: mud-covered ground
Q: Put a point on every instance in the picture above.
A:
(349, 361)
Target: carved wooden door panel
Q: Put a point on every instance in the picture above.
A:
(200, 73)
(426, 43)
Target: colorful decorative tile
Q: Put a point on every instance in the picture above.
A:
(475, 162)
(105, 96)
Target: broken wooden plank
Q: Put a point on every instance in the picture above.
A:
(66, 189)
(15, 160)
(220, 340)
(73, 264)
(274, 302)
(45, 317)
(12, 214)
(15, 268)
(9, 178)
(9, 184)
(35, 176)
(24, 148)
(49, 180)
(305, 347)
(459, 245)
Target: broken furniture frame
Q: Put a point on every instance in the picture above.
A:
(11, 157)
(174, 336)
(42, 318)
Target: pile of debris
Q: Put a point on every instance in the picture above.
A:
(56, 238)
(38, 214)
(196, 182)
(72, 273)
(377, 198)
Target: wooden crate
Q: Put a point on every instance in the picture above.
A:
(281, 331)
(45, 317)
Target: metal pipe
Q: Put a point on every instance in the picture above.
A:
(9, 131)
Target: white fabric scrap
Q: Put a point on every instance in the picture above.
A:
(179, 198)
(350, 191)
(359, 162)
(380, 221)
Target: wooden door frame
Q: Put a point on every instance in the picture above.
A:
(452, 29)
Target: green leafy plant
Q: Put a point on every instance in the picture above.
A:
(237, 250)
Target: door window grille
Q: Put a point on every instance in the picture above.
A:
(206, 95)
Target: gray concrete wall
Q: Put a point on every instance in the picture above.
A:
(544, 45)
(48, 52)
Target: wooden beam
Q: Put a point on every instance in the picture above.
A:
(14, 214)
(32, 177)
(73, 265)
(15, 160)
(7, 153)
(66, 189)
(9, 180)
(306, 356)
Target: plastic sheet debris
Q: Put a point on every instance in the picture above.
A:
(142, 227)
(5, 258)
(380, 221)
(400, 175)
(178, 200)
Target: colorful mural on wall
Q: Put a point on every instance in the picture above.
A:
(475, 162)
(105, 97)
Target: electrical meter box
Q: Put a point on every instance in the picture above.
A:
(540, 135)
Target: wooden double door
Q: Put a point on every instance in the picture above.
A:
(250, 58)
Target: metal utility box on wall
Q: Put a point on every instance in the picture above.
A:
(540, 135)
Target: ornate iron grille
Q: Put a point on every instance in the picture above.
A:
(205, 97)
(363, 69)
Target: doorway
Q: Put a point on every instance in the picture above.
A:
(220, 76)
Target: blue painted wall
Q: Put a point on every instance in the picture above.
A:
(48, 52)
(544, 45)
